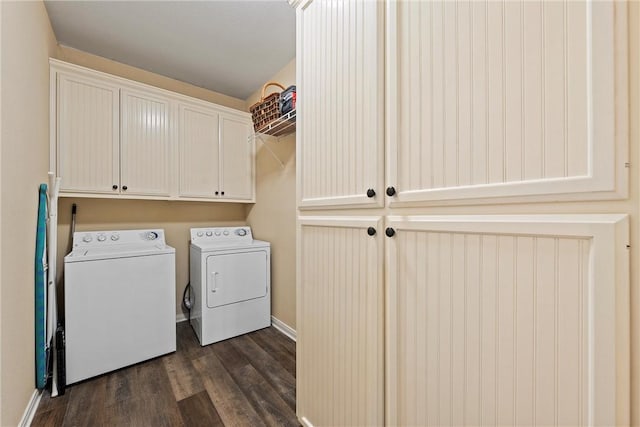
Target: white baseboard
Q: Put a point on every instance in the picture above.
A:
(283, 327)
(181, 318)
(305, 422)
(30, 410)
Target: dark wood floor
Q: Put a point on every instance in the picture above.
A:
(244, 381)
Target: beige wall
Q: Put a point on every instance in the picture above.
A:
(273, 217)
(175, 217)
(27, 43)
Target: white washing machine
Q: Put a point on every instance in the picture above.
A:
(120, 306)
(230, 283)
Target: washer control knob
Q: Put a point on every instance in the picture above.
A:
(209, 234)
(217, 232)
(241, 232)
(115, 236)
(225, 232)
(87, 238)
(102, 237)
(152, 235)
(200, 234)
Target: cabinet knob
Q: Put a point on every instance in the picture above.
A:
(216, 193)
(124, 187)
(222, 193)
(389, 232)
(371, 192)
(371, 231)
(115, 187)
(391, 191)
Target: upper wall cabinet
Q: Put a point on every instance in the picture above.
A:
(216, 157)
(88, 155)
(199, 151)
(145, 145)
(340, 96)
(112, 137)
(236, 153)
(506, 100)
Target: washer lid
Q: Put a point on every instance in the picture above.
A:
(116, 251)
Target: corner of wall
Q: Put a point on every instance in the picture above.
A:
(273, 216)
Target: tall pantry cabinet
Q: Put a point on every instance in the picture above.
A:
(408, 109)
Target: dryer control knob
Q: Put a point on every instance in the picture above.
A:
(209, 234)
(200, 234)
(102, 237)
(87, 238)
(217, 232)
(225, 232)
(115, 236)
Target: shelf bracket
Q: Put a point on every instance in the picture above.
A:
(258, 136)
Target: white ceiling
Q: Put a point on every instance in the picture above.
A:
(232, 47)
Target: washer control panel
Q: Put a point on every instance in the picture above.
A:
(118, 237)
(221, 234)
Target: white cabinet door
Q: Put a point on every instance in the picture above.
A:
(508, 320)
(87, 137)
(512, 100)
(236, 158)
(340, 321)
(145, 145)
(198, 151)
(340, 103)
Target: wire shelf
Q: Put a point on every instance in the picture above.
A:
(280, 127)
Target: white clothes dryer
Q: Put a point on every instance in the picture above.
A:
(230, 283)
(120, 300)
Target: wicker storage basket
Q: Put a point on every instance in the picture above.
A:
(267, 109)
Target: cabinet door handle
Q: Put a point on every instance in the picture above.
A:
(371, 231)
(115, 187)
(391, 191)
(124, 187)
(389, 232)
(371, 193)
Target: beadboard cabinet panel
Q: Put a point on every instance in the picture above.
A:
(237, 158)
(146, 144)
(88, 156)
(509, 320)
(199, 153)
(340, 322)
(341, 85)
(513, 100)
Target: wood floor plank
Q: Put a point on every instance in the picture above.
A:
(265, 400)
(121, 385)
(184, 379)
(281, 380)
(279, 353)
(232, 405)
(86, 403)
(230, 357)
(143, 412)
(51, 418)
(198, 411)
(281, 339)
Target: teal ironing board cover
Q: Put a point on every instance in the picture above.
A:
(40, 290)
